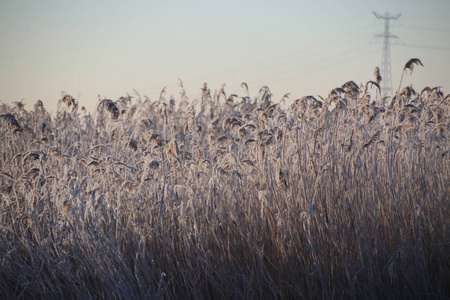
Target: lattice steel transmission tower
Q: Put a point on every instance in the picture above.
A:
(386, 83)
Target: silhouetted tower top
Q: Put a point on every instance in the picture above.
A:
(386, 73)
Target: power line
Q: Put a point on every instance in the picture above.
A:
(320, 64)
(310, 66)
(307, 60)
(318, 68)
(288, 56)
(310, 59)
(427, 28)
(286, 59)
(426, 47)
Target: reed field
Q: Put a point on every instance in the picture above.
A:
(229, 196)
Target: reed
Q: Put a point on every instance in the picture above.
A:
(325, 199)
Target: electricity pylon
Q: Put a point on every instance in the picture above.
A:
(386, 83)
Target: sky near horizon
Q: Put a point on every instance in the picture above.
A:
(91, 48)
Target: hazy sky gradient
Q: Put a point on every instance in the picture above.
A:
(88, 48)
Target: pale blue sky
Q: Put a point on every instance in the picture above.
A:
(109, 48)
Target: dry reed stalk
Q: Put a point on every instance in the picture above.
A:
(409, 66)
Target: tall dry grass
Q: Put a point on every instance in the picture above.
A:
(336, 198)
